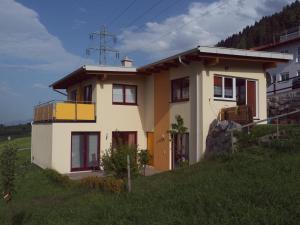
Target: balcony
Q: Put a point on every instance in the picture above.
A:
(65, 111)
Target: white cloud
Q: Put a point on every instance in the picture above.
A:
(203, 24)
(26, 43)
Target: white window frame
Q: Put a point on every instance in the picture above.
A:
(223, 89)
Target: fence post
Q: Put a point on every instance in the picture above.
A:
(232, 144)
(277, 127)
(128, 174)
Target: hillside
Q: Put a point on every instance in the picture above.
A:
(255, 186)
(266, 30)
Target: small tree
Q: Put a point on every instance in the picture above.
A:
(177, 128)
(8, 161)
(114, 160)
(144, 159)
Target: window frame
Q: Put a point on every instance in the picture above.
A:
(113, 133)
(85, 135)
(89, 93)
(284, 74)
(223, 88)
(124, 94)
(180, 81)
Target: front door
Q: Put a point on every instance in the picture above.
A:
(85, 151)
(150, 140)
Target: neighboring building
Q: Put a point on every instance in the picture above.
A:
(284, 77)
(138, 105)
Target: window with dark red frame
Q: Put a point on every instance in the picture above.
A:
(87, 95)
(85, 147)
(124, 138)
(124, 94)
(180, 89)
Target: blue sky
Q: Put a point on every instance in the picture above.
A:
(40, 41)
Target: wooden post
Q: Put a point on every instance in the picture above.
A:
(232, 145)
(277, 127)
(128, 175)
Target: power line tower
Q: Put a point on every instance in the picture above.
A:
(105, 41)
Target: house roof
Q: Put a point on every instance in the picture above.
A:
(201, 53)
(90, 71)
(276, 44)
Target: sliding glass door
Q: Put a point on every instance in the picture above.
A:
(85, 151)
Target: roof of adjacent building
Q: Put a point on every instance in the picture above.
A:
(200, 53)
(275, 44)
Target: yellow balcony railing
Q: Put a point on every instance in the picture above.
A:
(64, 111)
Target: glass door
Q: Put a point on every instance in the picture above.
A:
(85, 151)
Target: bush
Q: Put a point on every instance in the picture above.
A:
(114, 161)
(143, 158)
(109, 184)
(8, 164)
(58, 178)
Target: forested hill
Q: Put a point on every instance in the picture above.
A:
(266, 30)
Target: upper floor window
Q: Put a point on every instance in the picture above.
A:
(73, 96)
(87, 95)
(224, 87)
(180, 89)
(285, 76)
(124, 94)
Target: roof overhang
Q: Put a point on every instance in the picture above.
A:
(212, 55)
(90, 71)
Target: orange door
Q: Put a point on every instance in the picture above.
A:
(150, 139)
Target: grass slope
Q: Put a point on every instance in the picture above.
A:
(252, 187)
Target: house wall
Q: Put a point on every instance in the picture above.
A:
(41, 145)
(112, 117)
(162, 151)
(292, 67)
(211, 108)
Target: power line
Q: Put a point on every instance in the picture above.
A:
(144, 13)
(122, 13)
(161, 12)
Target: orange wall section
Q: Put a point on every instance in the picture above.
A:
(161, 120)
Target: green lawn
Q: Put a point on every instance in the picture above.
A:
(251, 187)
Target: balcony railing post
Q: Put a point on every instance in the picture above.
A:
(75, 110)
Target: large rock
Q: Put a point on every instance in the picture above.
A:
(218, 140)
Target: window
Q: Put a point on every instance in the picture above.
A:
(124, 138)
(85, 150)
(285, 76)
(224, 87)
(87, 95)
(180, 89)
(124, 94)
(73, 96)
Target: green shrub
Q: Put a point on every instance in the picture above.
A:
(109, 184)
(114, 161)
(8, 164)
(58, 178)
(143, 158)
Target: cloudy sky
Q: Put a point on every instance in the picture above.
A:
(40, 41)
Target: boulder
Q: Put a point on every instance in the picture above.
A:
(218, 140)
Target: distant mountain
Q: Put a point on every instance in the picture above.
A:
(265, 31)
(17, 122)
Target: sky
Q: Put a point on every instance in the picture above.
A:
(41, 41)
